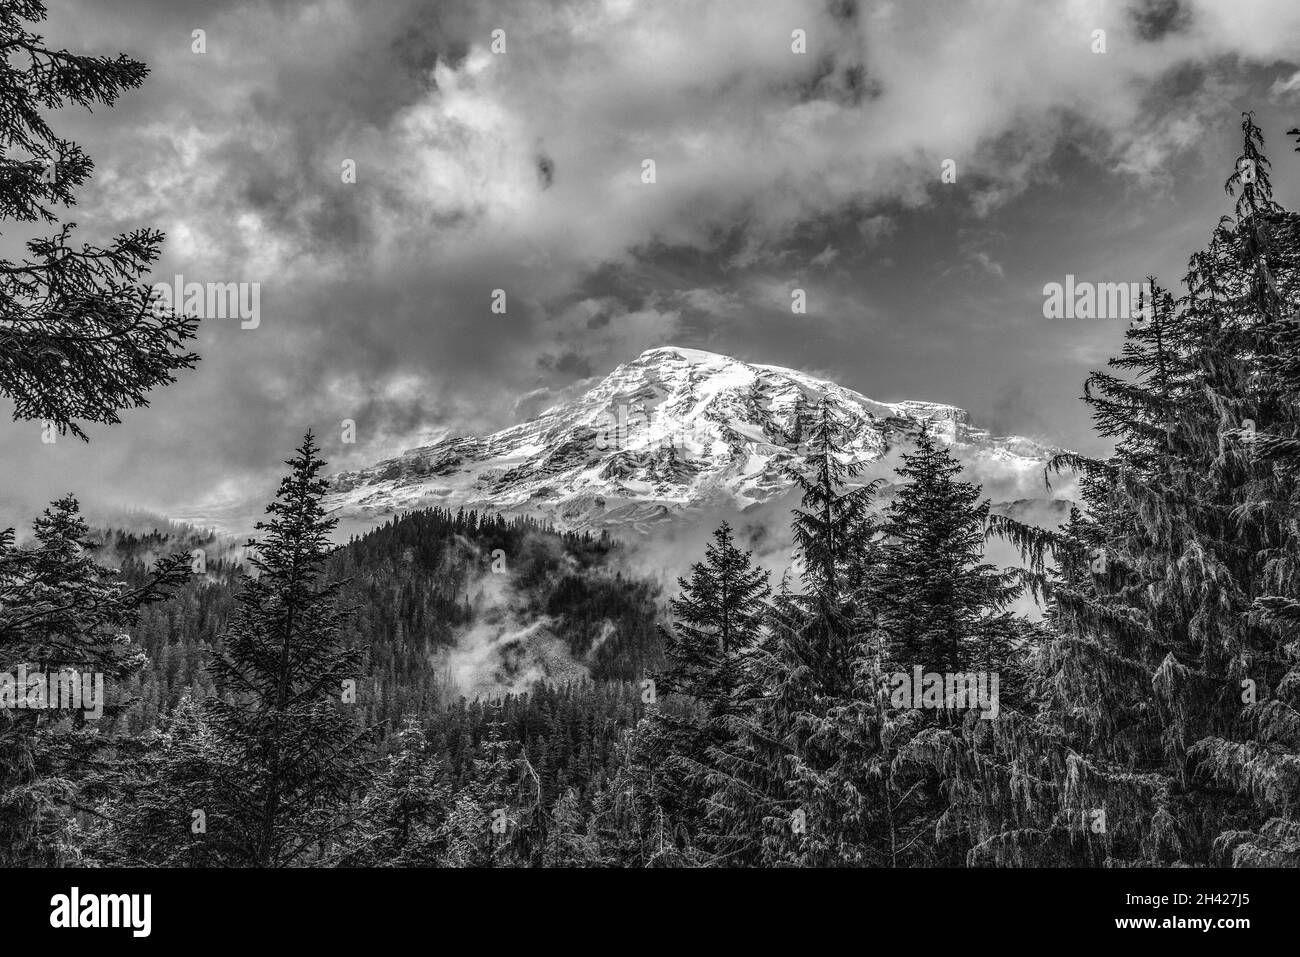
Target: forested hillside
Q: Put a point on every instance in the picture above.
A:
(417, 584)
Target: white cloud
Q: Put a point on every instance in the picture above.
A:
(1284, 88)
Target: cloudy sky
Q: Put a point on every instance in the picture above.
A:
(522, 170)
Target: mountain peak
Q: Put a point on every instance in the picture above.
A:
(693, 356)
(672, 432)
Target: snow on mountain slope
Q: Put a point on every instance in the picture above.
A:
(674, 433)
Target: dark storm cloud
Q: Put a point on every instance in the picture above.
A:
(1155, 19)
(545, 171)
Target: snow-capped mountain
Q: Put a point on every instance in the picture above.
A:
(672, 434)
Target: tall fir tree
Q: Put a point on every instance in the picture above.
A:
(1167, 705)
(941, 606)
(797, 786)
(718, 620)
(940, 609)
(280, 680)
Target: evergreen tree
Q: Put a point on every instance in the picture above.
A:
(301, 753)
(404, 809)
(1168, 701)
(942, 607)
(797, 785)
(158, 804)
(628, 824)
(569, 844)
(833, 531)
(81, 336)
(718, 619)
(488, 812)
(60, 610)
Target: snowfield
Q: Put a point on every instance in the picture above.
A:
(673, 432)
